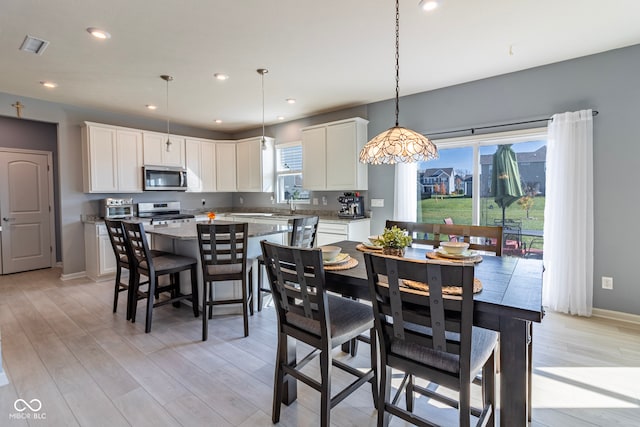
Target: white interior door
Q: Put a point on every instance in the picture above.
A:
(25, 211)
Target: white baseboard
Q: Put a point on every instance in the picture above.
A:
(616, 315)
(78, 275)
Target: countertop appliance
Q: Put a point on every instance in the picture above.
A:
(164, 178)
(163, 213)
(111, 208)
(351, 206)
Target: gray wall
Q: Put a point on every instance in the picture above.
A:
(607, 82)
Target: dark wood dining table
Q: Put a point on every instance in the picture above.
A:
(510, 300)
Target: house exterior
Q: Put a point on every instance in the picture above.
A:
(436, 181)
(532, 167)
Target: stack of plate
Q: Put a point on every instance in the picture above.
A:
(462, 255)
(340, 259)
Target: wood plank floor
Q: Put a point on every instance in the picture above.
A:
(62, 345)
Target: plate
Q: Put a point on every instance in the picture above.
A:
(463, 255)
(341, 258)
(371, 246)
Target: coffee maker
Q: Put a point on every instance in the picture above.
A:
(351, 206)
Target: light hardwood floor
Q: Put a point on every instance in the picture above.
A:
(62, 345)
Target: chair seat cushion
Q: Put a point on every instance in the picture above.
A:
(483, 341)
(225, 269)
(348, 319)
(168, 261)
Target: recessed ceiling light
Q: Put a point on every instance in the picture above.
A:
(218, 121)
(291, 101)
(98, 33)
(220, 76)
(50, 85)
(151, 107)
(429, 5)
(280, 117)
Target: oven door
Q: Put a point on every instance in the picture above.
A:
(164, 178)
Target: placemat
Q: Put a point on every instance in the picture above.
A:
(363, 248)
(446, 290)
(434, 255)
(344, 266)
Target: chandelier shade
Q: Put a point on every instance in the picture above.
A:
(398, 144)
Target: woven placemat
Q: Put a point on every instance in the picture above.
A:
(363, 248)
(352, 262)
(446, 290)
(434, 255)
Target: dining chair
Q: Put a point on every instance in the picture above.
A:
(307, 313)
(429, 335)
(303, 234)
(223, 256)
(482, 238)
(153, 267)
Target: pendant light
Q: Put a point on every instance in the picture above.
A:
(167, 79)
(263, 141)
(398, 144)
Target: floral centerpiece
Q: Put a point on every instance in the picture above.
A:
(393, 241)
(211, 216)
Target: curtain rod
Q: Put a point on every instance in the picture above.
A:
(473, 130)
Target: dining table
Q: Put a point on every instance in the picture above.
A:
(510, 300)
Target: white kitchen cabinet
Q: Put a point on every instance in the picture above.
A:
(330, 156)
(112, 159)
(226, 166)
(255, 165)
(157, 152)
(332, 231)
(100, 262)
(201, 165)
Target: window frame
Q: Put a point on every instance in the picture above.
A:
(279, 173)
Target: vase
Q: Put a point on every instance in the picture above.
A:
(393, 251)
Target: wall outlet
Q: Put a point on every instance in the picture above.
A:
(607, 282)
(377, 203)
(324, 200)
(315, 200)
(241, 200)
(204, 202)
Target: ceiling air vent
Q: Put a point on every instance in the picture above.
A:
(34, 45)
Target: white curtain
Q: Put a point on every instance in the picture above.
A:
(406, 186)
(568, 214)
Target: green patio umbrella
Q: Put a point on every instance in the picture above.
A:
(505, 178)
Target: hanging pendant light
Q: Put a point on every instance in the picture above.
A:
(263, 141)
(398, 144)
(167, 79)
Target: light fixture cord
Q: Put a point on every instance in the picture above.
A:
(397, 60)
(263, 140)
(167, 109)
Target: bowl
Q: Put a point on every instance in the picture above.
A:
(374, 240)
(330, 252)
(454, 248)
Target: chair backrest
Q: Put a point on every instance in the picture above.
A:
(118, 241)
(406, 317)
(138, 246)
(223, 250)
(303, 233)
(297, 283)
(482, 238)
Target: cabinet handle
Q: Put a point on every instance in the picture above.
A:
(7, 219)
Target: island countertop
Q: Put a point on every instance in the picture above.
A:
(187, 230)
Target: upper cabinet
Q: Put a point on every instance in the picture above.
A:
(226, 166)
(112, 159)
(330, 155)
(158, 152)
(201, 165)
(255, 165)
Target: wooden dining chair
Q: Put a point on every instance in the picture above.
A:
(429, 335)
(223, 256)
(303, 234)
(143, 263)
(482, 238)
(307, 313)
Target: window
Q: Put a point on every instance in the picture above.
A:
(458, 186)
(289, 174)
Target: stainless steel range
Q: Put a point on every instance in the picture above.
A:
(163, 213)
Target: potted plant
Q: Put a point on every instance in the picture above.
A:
(393, 241)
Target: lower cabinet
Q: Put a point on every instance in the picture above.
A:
(100, 262)
(332, 231)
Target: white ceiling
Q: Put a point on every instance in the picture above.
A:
(326, 54)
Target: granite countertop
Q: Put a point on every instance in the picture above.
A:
(187, 230)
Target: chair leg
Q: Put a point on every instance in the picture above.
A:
(384, 396)
(211, 300)
(250, 273)
(175, 288)
(489, 387)
(464, 405)
(194, 290)
(325, 389)
(117, 291)
(245, 310)
(278, 383)
(133, 298)
(259, 304)
(152, 291)
(205, 302)
(408, 393)
(375, 386)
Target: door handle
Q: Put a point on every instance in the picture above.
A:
(7, 219)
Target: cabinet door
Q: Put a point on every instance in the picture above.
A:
(314, 159)
(129, 160)
(193, 153)
(248, 166)
(107, 263)
(208, 166)
(174, 155)
(152, 148)
(156, 151)
(342, 160)
(226, 166)
(102, 160)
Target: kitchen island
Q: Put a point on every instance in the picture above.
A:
(182, 239)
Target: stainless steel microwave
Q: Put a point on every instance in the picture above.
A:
(164, 178)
